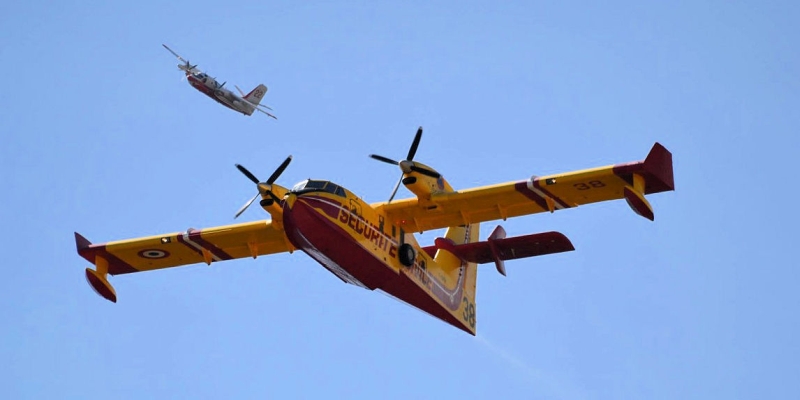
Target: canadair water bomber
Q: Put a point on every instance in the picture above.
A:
(372, 245)
(246, 104)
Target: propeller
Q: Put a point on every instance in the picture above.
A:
(263, 187)
(408, 164)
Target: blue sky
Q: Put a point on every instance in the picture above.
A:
(101, 136)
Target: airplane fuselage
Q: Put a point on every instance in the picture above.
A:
(209, 87)
(360, 246)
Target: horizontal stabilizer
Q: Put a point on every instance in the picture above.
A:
(498, 250)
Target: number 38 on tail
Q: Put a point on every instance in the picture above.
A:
(372, 245)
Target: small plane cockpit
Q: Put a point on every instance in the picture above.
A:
(309, 185)
(202, 77)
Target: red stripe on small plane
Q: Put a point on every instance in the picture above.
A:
(539, 186)
(523, 188)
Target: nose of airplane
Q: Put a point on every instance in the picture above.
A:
(289, 200)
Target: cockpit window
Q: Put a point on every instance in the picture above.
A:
(318, 186)
(315, 184)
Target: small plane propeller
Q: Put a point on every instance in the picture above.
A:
(408, 164)
(263, 187)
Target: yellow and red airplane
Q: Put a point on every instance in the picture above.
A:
(373, 245)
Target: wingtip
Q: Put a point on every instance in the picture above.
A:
(658, 164)
(81, 242)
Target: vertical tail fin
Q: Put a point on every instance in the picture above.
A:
(256, 94)
(452, 264)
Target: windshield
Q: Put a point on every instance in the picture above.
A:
(318, 186)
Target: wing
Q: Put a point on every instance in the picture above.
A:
(250, 239)
(181, 59)
(539, 194)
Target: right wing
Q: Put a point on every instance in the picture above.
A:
(249, 239)
(630, 181)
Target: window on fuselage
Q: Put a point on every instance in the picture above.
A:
(318, 186)
(315, 184)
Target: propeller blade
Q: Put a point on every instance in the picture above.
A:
(413, 150)
(223, 84)
(241, 210)
(407, 165)
(384, 159)
(394, 192)
(247, 173)
(279, 171)
(425, 171)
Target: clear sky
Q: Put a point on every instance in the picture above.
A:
(101, 136)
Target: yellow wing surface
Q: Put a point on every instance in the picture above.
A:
(630, 181)
(250, 239)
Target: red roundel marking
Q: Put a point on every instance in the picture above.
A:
(153, 254)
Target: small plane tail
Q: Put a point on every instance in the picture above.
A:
(256, 94)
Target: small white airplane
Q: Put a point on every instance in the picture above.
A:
(247, 104)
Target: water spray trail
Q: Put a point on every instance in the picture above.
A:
(551, 387)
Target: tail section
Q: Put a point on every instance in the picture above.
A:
(453, 265)
(256, 94)
(458, 254)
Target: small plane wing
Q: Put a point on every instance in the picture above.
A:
(630, 181)
(250, 239)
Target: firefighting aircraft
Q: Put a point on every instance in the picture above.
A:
(247, 104)
(373, 245)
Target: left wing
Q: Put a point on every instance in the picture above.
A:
(250, 239)
(630, 181)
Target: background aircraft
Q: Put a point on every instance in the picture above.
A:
(372, 245)
(247, 104)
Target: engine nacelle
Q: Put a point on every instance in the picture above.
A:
(423, 185)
